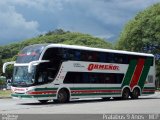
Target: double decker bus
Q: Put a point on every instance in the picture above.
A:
(63, 72)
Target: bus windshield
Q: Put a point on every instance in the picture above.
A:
(21, 77)
(30, 53)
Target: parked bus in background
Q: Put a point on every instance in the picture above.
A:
(63, 72)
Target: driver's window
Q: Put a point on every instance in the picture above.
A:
(41, 73)
(43, 77)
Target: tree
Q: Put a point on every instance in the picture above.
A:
(1, 64)
(142, 34)
(9, 52)
(56, 31)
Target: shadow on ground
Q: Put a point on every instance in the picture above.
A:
(80, 101)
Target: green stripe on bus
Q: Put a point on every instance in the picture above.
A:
(32, 96)
(150, 88)
(44, 89)
(96, 88)
(145, 71)
(129, 74)
(21, 96)
(88, 94)
(147, 92)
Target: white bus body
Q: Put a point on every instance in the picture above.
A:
(63, 72)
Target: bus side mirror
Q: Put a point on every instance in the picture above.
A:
(35, 63)
(8, 80)
(6, 64)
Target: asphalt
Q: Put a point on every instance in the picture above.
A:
(143, 105)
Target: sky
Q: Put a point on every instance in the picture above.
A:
(24, 19)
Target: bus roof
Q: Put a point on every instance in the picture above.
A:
(98, 49)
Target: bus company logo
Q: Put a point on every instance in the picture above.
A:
(102, 67)
(18, 89)
(78, 65)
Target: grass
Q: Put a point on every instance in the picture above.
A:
(5, 93)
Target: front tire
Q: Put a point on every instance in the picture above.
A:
(63, 96)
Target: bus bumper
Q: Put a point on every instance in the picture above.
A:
(35, 97)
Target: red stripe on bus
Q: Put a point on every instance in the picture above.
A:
(95, 91)
(148, 91)
(137, 73)
(41, 92)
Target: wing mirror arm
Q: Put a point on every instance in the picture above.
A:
(35, 63)
(6, 64)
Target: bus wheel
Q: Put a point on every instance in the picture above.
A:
(62, 96)
(125, 94)
(135, 94)
(43, 101)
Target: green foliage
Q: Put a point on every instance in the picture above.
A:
(1, 64)
(5, 93)
(143, 31)
(2, 80)
(9, 52)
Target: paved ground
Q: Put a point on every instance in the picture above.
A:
(149, 104)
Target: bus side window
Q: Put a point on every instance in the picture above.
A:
(68, 78)
(77, 77)
(85, 78)
(110, 58)
(125, 59)
(77, 55)
(119, 78)
(84, 56)
(73, 77)
(102, 57)
(54, 56)
(71, 54)
(107, 79)
(65, 54)
(89, 56)
(92, 77)
(119, 58)
(95, 57)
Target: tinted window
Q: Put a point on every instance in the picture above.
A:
(47, 71)
(95, 56)
(52, 54)
(93, 78)
(30, 53)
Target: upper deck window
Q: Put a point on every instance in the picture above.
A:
(30, 53)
